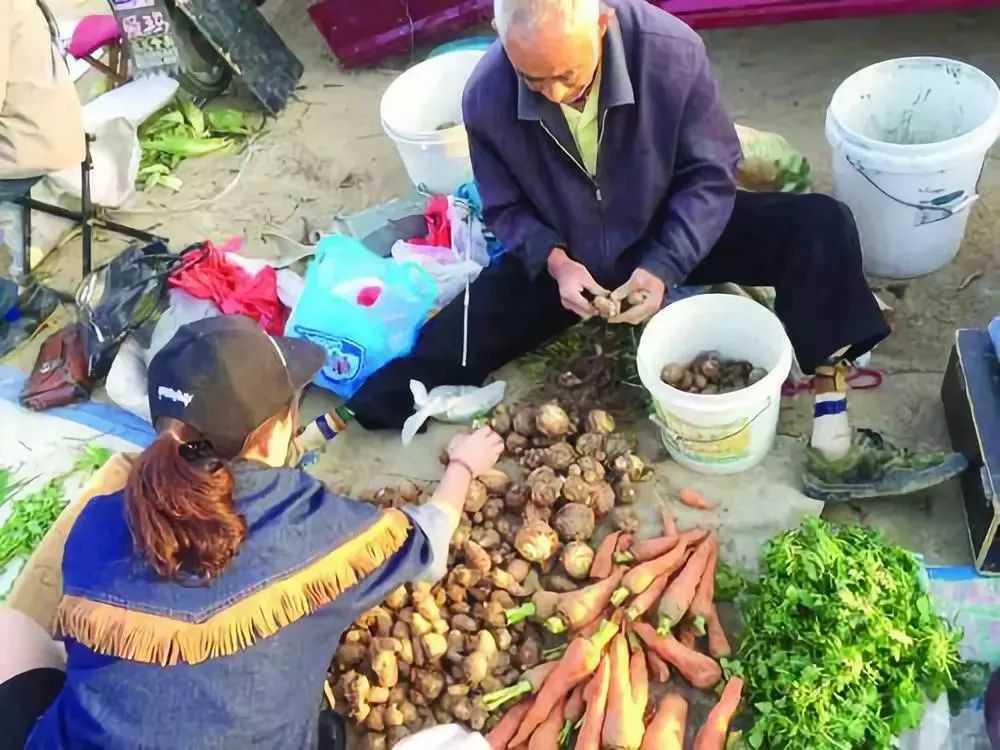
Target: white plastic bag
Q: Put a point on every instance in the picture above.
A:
(450, 403)
(449, 272)
(444, 737)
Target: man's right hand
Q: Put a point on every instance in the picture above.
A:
(573, 279)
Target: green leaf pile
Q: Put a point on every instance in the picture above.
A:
(180, 131)
(842, 645)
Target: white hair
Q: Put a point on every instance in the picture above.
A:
(531, 15)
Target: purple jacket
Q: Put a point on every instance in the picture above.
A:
(666, 162)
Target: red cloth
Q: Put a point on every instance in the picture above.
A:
(438, 224)
(206, 274)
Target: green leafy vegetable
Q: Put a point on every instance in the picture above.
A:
(842, 646)
(94, 456)
(729, 582)
(181, 131)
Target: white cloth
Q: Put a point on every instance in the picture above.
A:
(445, 737)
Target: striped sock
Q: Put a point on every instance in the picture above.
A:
(831, 433)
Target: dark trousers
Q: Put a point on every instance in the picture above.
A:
(805, 246)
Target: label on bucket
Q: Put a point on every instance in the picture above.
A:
(718, 444)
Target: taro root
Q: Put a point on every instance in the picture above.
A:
(351, 654)
(477, 558)
(519, 569)
(394, 716)
(606, 307)
(544, 485)
(395, 734)
(600, 422)
(488, 539)
(536, 541)
(574, 522)
(590, 444)
(464, 623)
(378, 695)
(476, 497)
(616, 445)
(624, 491)
(673, 374)
(397, 599)
(386, 668)
(556, 583)
(552, 421)
(516, 497)
(516, 443)
(356, 688)
(374, 741)
(493, 508)
(500, 421)
(428, 683)
(535, 512)
(495, 481)
(591, 470)
(408, 491)
(529, 653)
(625, 519)
(505, 582)
(478, 718)
(559, 456)
(524, 422)
(603, 500)
(576, 490)
(577, 557)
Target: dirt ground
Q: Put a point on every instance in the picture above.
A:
(326, 155)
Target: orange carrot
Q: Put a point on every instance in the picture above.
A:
(701, 605)
(596, 697)
(694, 499)
(625, 541)
(639, 578)
(531, 682)
(698, 669)
(572, 713)
(602, 565)
(646, 550)
(676, 600)
(627, 697)
(641, 604)
(718, 644)
(659, 670)
(591, 627)
(712, 735)
(666, 730)
(669, 525)
(580, 660)
(502, 733)
(685, 633)
(579, 607)
(546, 737)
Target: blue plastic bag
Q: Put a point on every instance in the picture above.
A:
(364, 310)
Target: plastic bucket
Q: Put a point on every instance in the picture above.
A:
(421, 112)
(724, 433)
(909, 139)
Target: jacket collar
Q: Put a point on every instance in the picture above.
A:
(616, 86)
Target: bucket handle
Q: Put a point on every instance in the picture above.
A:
(678, 438)
(936, 209)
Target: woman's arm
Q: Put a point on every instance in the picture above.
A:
(470, 456)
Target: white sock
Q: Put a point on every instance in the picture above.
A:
(831, 433)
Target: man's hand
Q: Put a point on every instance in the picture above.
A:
(647, 292)
(573, 279)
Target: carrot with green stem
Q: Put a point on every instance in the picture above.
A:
(602, 565)
(577, 608)
(704, 595)
(580, 660)
(667, 728)
(628, 694)
(639, 578)
(596, 697)
(541, 607)
(646, 550)
(531, 682)
(644, 601)
(546, 736)
(718, 643)
(712, 735)
(676, 600)
(572, 713)
(500, 736)
(700, 670)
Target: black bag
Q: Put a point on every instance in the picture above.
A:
(122, 297)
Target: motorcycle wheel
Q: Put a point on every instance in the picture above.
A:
(202, 71)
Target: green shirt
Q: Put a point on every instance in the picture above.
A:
(583, 125)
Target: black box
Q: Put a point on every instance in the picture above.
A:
(971, 396)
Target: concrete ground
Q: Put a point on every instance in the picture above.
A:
(326, 155)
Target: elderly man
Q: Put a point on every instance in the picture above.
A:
(606, 162)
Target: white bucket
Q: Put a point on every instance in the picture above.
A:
(724, 433)
(909, 139)
(416, 105)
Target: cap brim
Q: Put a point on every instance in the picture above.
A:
(302, 358)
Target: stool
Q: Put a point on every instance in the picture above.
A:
(93, 33)
(86, 217)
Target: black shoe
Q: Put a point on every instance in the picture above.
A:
(332, 731)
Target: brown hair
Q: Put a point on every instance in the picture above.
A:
(179, 502)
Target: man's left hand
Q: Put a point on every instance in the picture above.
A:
(648, 289)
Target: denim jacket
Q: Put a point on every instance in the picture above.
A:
(236, 662)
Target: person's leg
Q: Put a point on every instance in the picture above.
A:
(31, 675)
(807, 248)
(509, 315)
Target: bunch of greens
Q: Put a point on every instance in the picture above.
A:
(180, 131)
(842, 646)
(33, 514)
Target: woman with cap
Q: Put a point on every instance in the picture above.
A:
(203, 603)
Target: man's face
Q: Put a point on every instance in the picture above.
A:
(558, 65)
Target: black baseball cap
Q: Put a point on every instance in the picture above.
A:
(225, 377)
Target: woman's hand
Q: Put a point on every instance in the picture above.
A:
(477, 452)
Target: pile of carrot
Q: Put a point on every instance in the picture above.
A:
(630, 629)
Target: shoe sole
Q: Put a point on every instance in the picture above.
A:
(895, 483)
